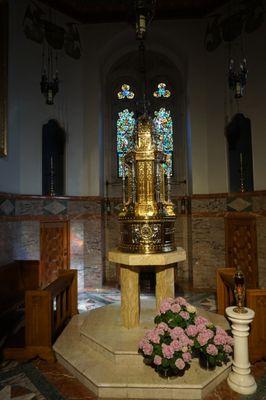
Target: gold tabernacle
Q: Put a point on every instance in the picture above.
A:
(147, 217)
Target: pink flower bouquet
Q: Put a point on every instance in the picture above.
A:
(212, 342)
(176, 312)
(167, 350)
(180, 334)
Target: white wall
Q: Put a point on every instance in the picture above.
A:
(80, 103)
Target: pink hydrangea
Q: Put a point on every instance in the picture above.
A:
(201, 320)
(227, 348)
(184, 314)
(204, 336)
(147, 349)
(180, 363)
(165, 306)
(176, 345)
(181, 301)
(220, 331)
(175, 308)
(192, 330)
(163, 325)
(186, 356)
(220, 340)
(157, 360)
(142, 343)
(167, 350)
(153, 336)
(212, 350)
(230, 340)
(176, 332)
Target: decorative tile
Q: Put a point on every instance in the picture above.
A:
(55, 207)
(239, 204)
(7, 207)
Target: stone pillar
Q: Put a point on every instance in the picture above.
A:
(240, 378)
(130, 299)
(165, 283)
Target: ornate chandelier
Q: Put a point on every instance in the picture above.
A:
(49, 79)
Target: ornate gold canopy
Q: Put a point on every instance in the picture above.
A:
(147, 218)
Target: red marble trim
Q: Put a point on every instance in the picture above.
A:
(220, 195)
(39, 197)
(61, 217)
(227, 214)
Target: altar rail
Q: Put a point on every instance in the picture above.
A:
(255, 299)
(47, 312)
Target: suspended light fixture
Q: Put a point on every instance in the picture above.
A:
(145, 10)
(50, 78)
(237, 79)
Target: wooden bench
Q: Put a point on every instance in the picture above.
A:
(255, 299)
(15, 278)
(47, 312)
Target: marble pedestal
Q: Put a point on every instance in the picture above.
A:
(130, 265)
(240, 378)
(103, 354)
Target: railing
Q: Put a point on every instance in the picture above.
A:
(47, 312)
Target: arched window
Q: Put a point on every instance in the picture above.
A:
(164, 126)
(165, 102)
(124, 135)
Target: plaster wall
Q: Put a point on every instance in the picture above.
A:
(80, 104)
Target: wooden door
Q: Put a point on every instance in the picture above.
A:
(54, 248)
(241, 246)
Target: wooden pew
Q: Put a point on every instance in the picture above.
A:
(255, 299)
(47, 312)
(15, 278)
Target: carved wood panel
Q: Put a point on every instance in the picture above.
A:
(54, 249)
(241, 246)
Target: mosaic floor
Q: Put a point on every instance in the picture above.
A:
(39, 380)
(90, 299)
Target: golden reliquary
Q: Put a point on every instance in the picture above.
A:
(147, 218)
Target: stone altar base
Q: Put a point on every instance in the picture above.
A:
(102, 354)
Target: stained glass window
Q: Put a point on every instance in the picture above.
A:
(125, 135)
(164, 127)
(162, 91)
(125, 92)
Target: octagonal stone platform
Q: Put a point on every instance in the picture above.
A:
(103, 355)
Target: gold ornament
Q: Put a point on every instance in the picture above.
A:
(147, 217)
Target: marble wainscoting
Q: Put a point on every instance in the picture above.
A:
(20, 218)
(206, 238)
(7, 234)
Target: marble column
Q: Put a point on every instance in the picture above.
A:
(165, 283)
(130, 296)
(240, 378)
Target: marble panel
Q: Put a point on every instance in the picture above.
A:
(29, 207)
(93, 276)
(7, 232)
(259, 203)
(27, 240)
(77, 237)
(209, 205)
(7, 207)
(261, 244)
(84, 207)
(208, 245)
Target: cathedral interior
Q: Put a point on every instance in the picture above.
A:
(76, 79)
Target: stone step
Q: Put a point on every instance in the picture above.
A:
(103, 355)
